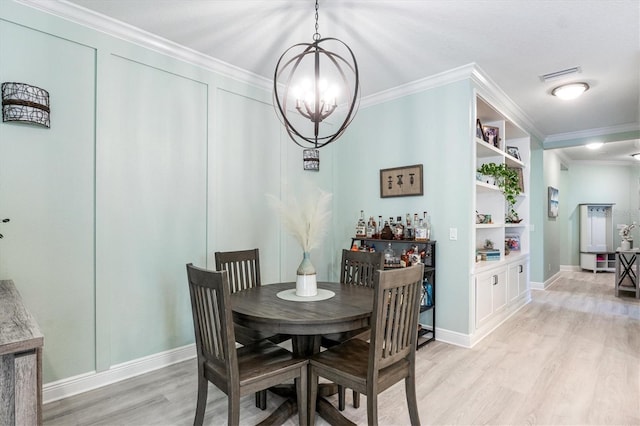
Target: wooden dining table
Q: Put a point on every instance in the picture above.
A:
(261, 309)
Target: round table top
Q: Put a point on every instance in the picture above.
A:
(261, 309)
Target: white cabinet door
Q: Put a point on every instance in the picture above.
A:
(513, 285)
(499, 292)
(523, 278)
(484, 304)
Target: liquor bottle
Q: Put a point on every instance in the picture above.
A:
(420, 231)
(389, 254)
(408, 229)
(386, 233)
(427, 224)
(361, 226)
(371, 227)
(404, 259)
(380, 225)
(398, 232)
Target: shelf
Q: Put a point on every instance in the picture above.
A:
(516, 225)
(425, 335)
(484, 150)
(486, 187)
(513, 162)
(489, 225)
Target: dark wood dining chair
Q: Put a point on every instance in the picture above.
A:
(243, 269)
(356, 268)
(241, 371)
(372, 367)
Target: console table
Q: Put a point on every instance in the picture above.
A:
(21, 345)
(627, 263)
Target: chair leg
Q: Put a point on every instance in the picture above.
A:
(412, 402)
(372, 409)
(313, 395)
(201, 405)
(261, 399)
(301, 394)
(233, 415)
(356, 399)
(341, 397)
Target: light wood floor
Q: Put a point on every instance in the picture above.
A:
(571, 357)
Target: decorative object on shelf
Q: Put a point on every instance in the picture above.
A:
(627, 239)
(401, 181)
(308, 79)
(488, 244)
(25, 103)
(512, 242)
(492, 135)
(514, 152)
(553, 201)
(479, 132)
(509, 182)
(308, 222)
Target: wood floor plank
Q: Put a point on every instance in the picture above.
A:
(571, 356)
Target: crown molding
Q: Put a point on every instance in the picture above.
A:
(591, 133)
(118, 29)
(491, 92)
(420, 85)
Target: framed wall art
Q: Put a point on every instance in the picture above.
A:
(401, 181)
(514, 152)
(553, 201)
(492, 135)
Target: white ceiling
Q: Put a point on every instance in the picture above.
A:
(399, 41)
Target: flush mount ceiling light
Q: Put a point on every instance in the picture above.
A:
(314, 83)
(595, 145)
(570, 90)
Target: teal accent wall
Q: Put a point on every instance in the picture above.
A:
(150, 163)
(47, 190)
(429, 128)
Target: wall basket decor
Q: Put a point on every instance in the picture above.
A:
(25, 103)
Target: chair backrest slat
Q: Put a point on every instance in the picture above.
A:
(358, 267)
(394, 322)
(243, 268)
(213, 320)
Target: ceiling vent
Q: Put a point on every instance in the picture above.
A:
(558, 74)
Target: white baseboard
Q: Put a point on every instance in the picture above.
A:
(547, 283)
(85, 382)
(452, 337)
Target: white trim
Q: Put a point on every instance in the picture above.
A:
(420, 85)
(589, 133)
(452, 337)
(548, 283)
(570, 268)
(85, 382)
(115, 28)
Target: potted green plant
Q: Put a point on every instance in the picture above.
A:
(507, 180)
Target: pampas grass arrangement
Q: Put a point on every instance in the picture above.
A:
(307, 220)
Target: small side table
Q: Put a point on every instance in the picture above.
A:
(627, 264)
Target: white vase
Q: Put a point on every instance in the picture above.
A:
(625, 245)
(306, 284)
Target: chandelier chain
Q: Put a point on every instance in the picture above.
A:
(316, 36)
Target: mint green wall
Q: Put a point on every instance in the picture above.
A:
(593, 183)
(150, 163)
(554, 228)
(430, 128)
(538, 211)
(46, 189)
